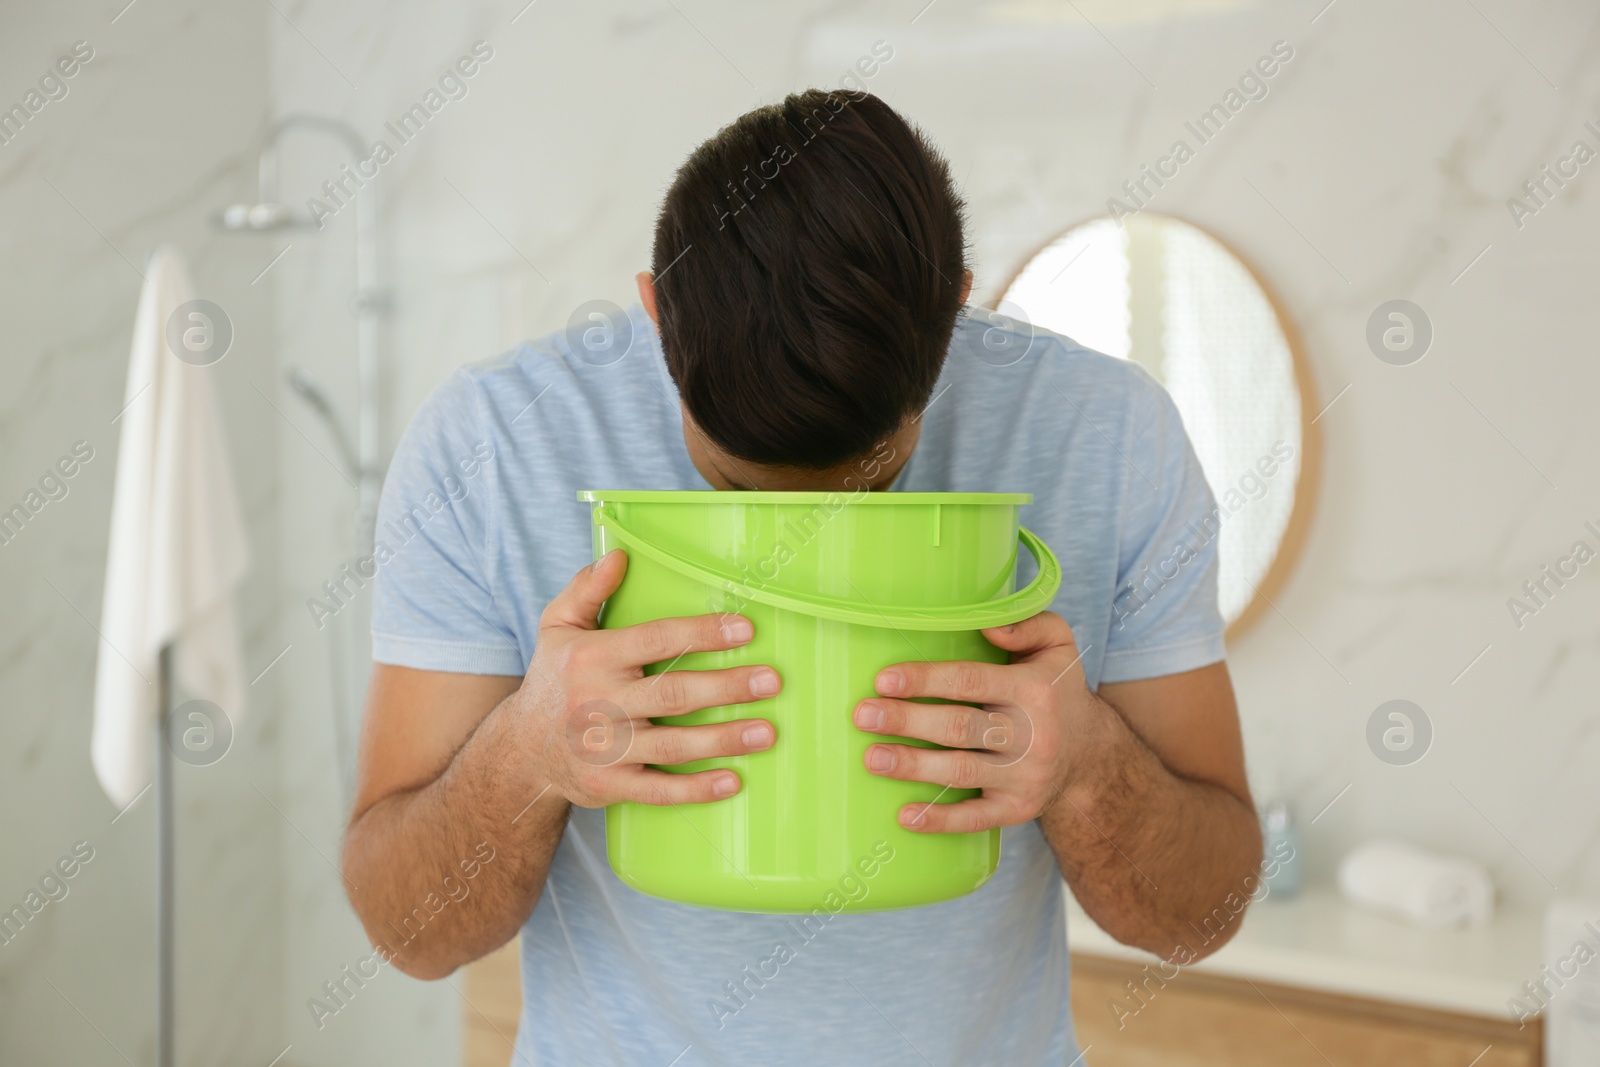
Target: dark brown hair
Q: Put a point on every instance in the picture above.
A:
(808, 269)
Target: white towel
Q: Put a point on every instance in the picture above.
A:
(177, 546)
(1429, 889)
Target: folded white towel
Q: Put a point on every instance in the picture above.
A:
(1426, 888)
(177, 548)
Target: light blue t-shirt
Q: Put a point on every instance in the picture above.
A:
(480, 527)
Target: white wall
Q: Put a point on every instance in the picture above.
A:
(1378, 167)
(154, 131)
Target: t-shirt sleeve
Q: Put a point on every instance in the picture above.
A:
(1164, 618)
(433, 604)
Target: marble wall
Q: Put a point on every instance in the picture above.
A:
(1377, 167)
(155, 129)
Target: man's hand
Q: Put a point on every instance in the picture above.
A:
(449, 760)
(1139, 790)
(1016, 747)
(584, 709)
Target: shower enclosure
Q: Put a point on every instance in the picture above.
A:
(359, 448)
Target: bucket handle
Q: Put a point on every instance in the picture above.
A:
(1024, 603)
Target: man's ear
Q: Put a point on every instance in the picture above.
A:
(647, 293)
(966, 289)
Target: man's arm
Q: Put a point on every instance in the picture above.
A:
(1156, 832)
(1140, 790)
(440, 773)
(450, 762)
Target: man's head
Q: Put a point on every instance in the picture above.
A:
(809, 265)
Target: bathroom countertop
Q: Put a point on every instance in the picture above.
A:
(1318, 941)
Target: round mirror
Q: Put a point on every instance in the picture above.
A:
(1160, 291)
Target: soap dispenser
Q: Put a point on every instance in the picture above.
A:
(1281, 866)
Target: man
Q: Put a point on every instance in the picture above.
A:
(808, 289)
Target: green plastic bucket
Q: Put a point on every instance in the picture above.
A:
(838, 586)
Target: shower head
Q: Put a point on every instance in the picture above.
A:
(260, 217)
(268, 213)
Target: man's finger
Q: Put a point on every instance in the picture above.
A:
(980, 683)
(955, 768)
(951, 725)
(1041, 631)
(680, 692)
(671, 745)
(962, 817)
(664, 640)
(645, 786)
(578, 605)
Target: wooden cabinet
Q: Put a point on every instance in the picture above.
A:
(1193, 1020)
(1207, 1020)
(491, 993)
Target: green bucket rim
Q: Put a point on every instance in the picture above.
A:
(1022, 604)
(763, 496)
